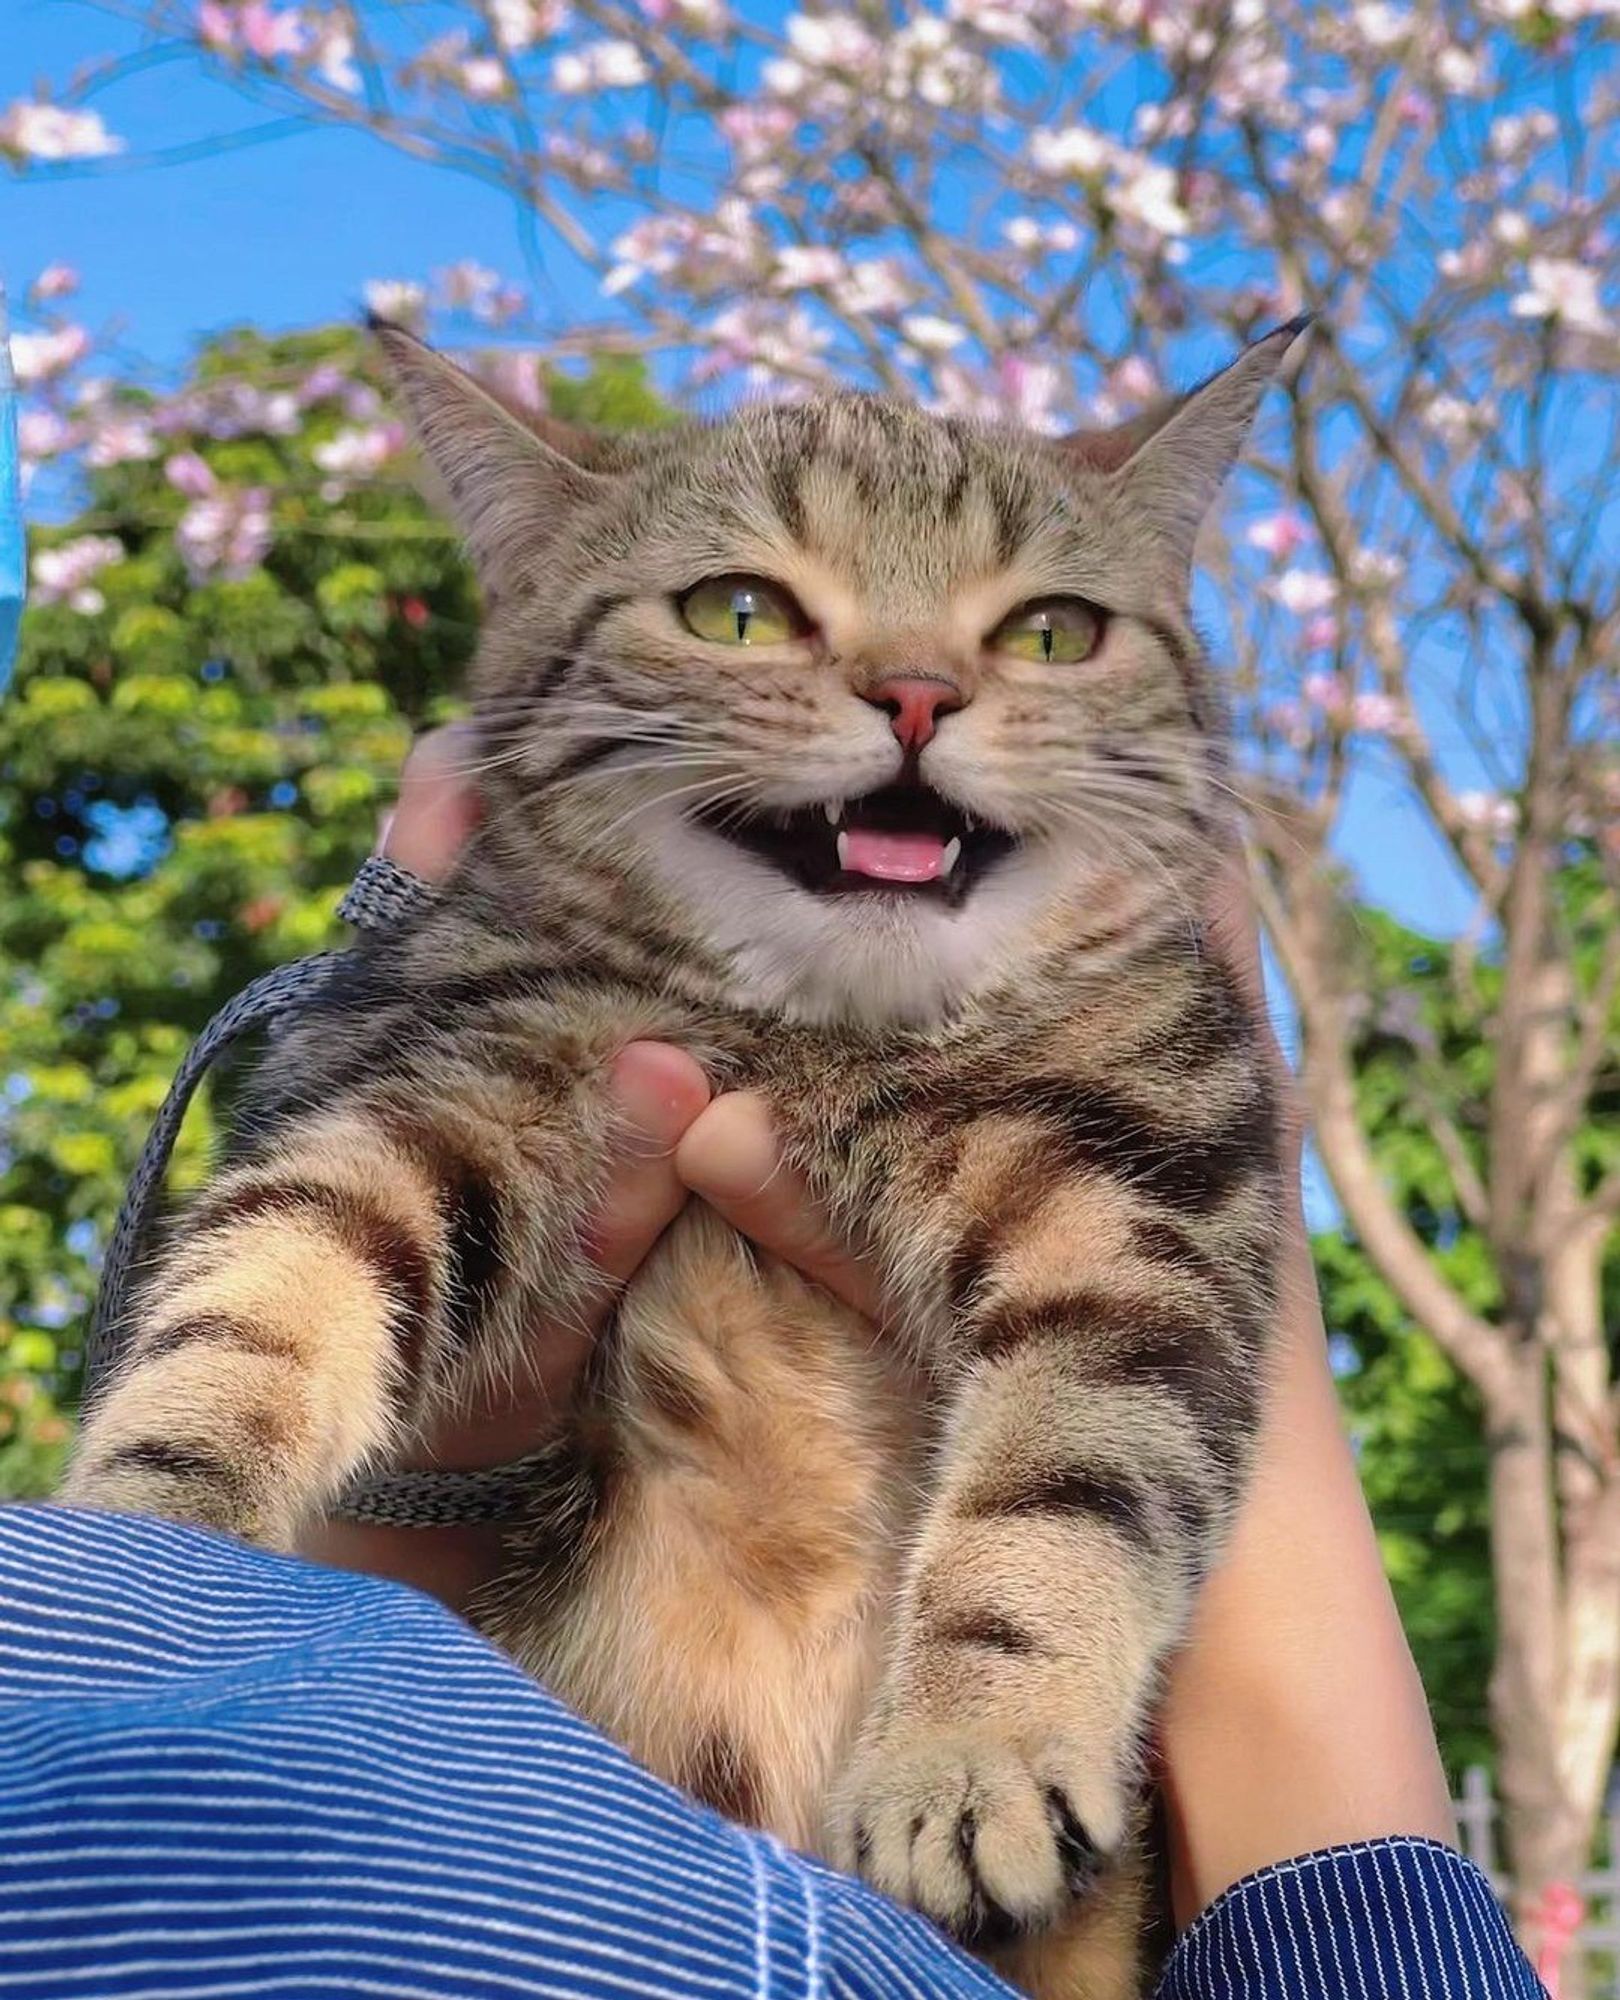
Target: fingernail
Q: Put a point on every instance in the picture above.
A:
(659, 1091)
(384, 827)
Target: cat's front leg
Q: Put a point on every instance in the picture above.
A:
(315, 1296)
(1091, 1466)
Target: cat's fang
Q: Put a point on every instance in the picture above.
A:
(834, 809)
(843, 851)
(950, 857)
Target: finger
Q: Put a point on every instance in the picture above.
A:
(659, 1092)
(729, 1156)
(438, 805)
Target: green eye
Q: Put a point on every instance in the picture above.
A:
(1053, 628)
(741, 611)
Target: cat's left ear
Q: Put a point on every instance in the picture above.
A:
(1173, 461)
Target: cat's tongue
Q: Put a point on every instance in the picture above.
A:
(891, 857)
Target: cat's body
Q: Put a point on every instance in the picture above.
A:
(900, 1596)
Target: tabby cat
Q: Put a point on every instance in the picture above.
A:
(869, 756)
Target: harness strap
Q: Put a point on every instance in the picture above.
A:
(381, 897)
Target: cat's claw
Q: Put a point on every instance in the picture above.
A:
(992, 1840)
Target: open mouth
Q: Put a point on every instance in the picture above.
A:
(903, 837)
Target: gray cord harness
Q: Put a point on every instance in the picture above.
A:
(381, 896)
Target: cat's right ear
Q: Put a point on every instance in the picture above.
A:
(507, 481)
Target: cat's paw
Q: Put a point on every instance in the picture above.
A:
(172, 1482)
(991, 1838)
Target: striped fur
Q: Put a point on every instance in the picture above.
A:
(905, 1600)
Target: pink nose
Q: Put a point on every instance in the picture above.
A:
(913, 704)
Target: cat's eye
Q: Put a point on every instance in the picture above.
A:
(742, 611)
(1051, 628)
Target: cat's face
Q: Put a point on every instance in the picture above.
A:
(863, 698)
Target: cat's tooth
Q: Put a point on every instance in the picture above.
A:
(949, 859)
(834, 809)
(843, 850)
(970, 822)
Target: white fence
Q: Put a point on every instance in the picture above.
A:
(1599, 1934)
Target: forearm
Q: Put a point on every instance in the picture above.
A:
(1295, 1718)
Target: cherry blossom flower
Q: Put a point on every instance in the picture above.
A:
(1278, 535)
(875, 287)
(606, 65)
(1563, 290)
(62, 575)
(225, 536)
(33, 131)
(44, 434)
(932, 334)
(1074, 150)
(799, 265)
(190, 474)
(334, 58)
(1303, 591)
(1489, 812)
(355, 453)
(56, 281)
(122, 439)
(39, 357)
(483, 78)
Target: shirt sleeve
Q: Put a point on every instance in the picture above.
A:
(227, 1772)
(1397, 1919)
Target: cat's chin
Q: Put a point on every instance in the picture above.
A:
(877, 955)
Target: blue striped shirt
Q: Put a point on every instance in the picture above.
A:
(229, 1773)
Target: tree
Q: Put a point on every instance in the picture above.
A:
(228, 649)
(1049, 208)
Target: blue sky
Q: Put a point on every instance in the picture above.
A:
(284, 233)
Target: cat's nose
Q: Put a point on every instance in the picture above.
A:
(915, 702)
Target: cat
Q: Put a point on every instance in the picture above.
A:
(869, 755)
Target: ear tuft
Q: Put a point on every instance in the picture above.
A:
(1173, 460)
(508, 487)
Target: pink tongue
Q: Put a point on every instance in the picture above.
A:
(893, 857)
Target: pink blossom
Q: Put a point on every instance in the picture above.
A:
(1278, 535)
(44, 434)
(1321, 631)
(1075, 150)
(225, 536)
(483, 78)
(62, 575)
(932, 334)
(1324, 692)
(799, 265)
(875, 287)
(216, 26)
(1563, 290)
(1303, 592)
(56, 281)
(613, 64)
(334, 57)
(1378, 714)
(189, 474)
(1489, 812)
(359, 453)
(121, 440)
(35, 131)
(269, 35)
(38, 357)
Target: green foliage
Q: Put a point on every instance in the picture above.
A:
(253, 725)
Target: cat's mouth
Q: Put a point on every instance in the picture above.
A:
(902, 837)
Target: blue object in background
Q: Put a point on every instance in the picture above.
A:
(11, 527)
